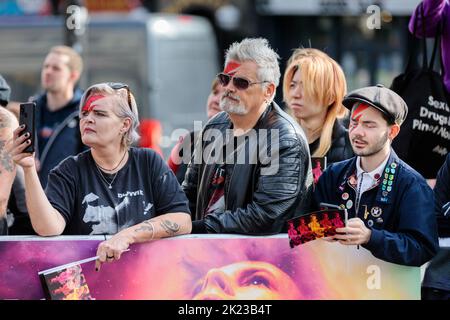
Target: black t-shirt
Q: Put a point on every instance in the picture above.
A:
(3, 226)
(144, 188)
(314, 145)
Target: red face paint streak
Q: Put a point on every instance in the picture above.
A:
(88, 105)
(231, 67)
(359, 109)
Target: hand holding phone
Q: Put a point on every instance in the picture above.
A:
(27, 118)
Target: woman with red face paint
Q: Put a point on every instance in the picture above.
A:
(313, 88)
(111, 189)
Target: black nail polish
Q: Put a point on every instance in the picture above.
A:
(96, 269)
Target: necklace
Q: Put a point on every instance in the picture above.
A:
(109, 184)
(99, 168)
(104, 169)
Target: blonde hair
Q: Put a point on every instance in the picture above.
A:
(123, 110)
(324, 82)
(75, 61)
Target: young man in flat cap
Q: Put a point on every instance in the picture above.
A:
(390, 206)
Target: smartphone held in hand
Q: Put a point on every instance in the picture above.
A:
(27, 118)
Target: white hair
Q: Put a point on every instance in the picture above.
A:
(259, 51)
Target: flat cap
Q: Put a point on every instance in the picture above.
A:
(381, 98)
(5, 91)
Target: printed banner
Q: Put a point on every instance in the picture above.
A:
(208, 267)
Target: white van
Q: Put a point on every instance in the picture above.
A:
(168, 61)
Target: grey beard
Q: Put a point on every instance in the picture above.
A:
(233, 108)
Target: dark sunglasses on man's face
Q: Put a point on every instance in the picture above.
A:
(118, 86)
(238, 83)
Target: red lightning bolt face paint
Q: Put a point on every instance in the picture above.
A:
(231, 67)
(357, 113)
(88, 105)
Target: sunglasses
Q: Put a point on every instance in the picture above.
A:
(118, 86)
(238, 83)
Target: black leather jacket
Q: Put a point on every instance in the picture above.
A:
(255, 203)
